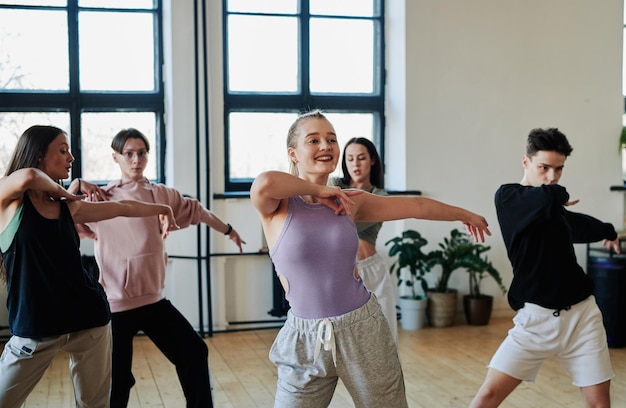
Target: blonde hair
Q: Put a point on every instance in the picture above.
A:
(292, 134)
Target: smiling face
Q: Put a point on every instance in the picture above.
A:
(359, 164)
(315, 152)
(544, 167)
(133, 159)
(57, 162)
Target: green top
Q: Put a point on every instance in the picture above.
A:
(368, 231)
(7, 235)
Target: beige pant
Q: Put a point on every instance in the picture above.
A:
(24, 361)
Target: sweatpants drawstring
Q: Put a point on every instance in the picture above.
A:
(326, 337)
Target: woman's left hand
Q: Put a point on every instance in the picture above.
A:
(338, 200)
(92, 192)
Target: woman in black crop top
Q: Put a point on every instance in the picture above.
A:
(53, 302)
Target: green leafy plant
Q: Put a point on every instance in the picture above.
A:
(459, 251)
(407, 248)
(622, 139)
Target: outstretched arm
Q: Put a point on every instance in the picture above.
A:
(270, 187)
(13, 186)
(371, 207)
(84, 211)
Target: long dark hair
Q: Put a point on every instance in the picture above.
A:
(376, 174)
(30, 149)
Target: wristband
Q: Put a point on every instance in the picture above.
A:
(229, 230)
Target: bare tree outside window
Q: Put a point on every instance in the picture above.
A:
(116, 85)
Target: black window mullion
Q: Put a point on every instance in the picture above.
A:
(27, 101)
(305, 51)
(303, 99)
(379, 54)
(74, 91)
(158, 50)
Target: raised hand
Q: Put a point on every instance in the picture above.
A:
(337, 199)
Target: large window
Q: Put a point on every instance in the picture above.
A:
(283, 57)
(89, 67)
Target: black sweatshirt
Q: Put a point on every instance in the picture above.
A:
(539, 234)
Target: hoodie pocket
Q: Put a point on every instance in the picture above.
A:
(145, 275)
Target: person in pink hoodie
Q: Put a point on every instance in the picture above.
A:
(132, 262)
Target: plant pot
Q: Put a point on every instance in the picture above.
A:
(442, 308)
(477, 309)
(413, 312)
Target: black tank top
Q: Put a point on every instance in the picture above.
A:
(49, 291)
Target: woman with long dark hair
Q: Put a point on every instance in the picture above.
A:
(54, 303)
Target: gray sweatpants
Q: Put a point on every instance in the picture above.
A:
(366, 355)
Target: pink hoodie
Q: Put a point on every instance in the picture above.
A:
(130, 251)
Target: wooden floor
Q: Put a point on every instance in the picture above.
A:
(442, 368)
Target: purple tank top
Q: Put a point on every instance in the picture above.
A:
(316, 252)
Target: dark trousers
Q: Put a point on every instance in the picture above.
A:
(178, 341)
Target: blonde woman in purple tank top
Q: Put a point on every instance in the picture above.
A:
(334, 329)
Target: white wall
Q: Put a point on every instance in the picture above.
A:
(241, 287)
(466, 82)
(478, 76)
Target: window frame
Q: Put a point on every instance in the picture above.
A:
(75, 102)
(239, 101)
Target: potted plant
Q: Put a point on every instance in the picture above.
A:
(476, 305)
(407, 248)
(459, 251)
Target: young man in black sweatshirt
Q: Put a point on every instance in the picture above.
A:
(557, 315)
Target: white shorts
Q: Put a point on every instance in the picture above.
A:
(575, 337)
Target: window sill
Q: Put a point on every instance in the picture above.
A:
(246, 194)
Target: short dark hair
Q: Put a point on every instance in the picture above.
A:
(123, 135)
(549, 139)
(376, 173)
